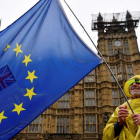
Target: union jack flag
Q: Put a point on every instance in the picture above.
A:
(6, 78)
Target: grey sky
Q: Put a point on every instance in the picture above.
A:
(10, 10)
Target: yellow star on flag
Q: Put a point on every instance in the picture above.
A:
(30, 93)
(31, 76)
(17, 49)
(18, 108)
(2, 116)
(8, 46)
(27, 60)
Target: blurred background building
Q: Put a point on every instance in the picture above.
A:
(82, 113)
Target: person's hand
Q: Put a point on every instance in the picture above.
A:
(122, 114)
(136, 119)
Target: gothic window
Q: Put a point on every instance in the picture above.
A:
(126, 47)
(129, 71)
(119, 77)
(110, 49)
(114, 72)
(30, 128)
(89, 97)
(118, 68)
(36, 128)
(119, 72)
(115, 97)
(112, 78)
(41, 119)
(124, 72)
(89, 78)
(121, 50)
(113, 69)
(40, 129)
(90, 123)
(116, 51)
(64, 101)
(62, 124)
(36, 125)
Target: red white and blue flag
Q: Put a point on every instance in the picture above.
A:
(6, 78)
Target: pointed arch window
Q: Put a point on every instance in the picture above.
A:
(110, 49)
(126, 47)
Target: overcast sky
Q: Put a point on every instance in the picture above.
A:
(10, 10)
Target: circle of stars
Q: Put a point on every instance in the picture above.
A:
(31, 76)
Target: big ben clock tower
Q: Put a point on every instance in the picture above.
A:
(117, 41)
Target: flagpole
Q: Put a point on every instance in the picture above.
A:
(101, 57)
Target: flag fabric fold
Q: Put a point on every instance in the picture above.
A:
(41, 58)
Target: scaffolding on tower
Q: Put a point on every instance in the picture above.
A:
(115, 19)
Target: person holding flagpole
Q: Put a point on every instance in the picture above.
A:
(123, 124)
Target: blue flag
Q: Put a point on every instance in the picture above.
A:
(41, 58)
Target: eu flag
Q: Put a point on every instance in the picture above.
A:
(41, 58)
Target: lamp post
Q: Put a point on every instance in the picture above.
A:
(105, 118)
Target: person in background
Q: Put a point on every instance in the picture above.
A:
(123, 124)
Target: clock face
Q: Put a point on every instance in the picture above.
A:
(117, 43)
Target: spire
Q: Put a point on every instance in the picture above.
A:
(128, 15)
(99, 18)
(114, 19)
